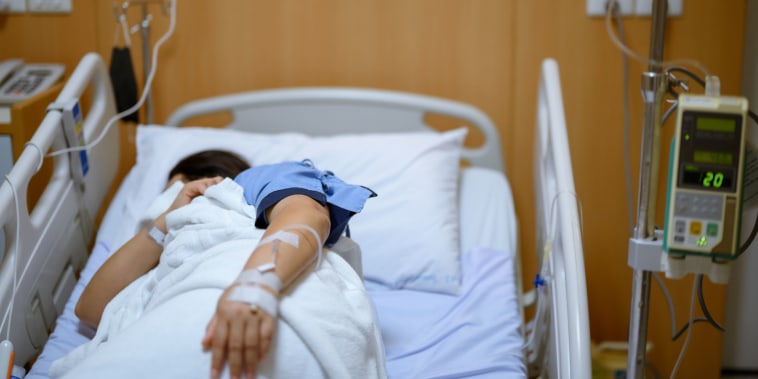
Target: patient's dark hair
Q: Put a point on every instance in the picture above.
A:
(210, 163)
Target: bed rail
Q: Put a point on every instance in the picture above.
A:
(561, 330)
(42, 254)
(344, 110)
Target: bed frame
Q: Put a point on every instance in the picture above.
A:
(48, 246)
(561, 342)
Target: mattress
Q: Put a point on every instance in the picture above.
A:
(475, 333)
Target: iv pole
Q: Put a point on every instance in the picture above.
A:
(654, 84)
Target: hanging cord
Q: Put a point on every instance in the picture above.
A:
(674, 82)
(703, 307)
(754, 231)
(675, 334)
(121, 18)
(689, 331)
(146, 90)
(627, 154)
(645, 60)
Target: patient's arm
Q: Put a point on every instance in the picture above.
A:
(136, 257)
(239, 336)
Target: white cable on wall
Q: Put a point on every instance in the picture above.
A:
(643, 59)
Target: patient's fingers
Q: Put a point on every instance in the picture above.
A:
(218, 349)
(266, 335)
(209, 331)
(193, 189)
(251, 344)
(235, 346)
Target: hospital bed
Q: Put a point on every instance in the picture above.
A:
(455, 308)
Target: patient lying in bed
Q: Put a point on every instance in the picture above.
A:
(292, 311)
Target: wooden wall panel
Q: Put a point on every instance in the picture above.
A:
(42, 38)
(461, 50)
(485, 52)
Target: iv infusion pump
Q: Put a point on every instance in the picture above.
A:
(704, 197)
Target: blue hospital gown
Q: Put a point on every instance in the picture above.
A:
(266, 185)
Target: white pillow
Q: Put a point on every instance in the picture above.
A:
(409, 234)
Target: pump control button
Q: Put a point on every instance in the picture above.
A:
(696, 228)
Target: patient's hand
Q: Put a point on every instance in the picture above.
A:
(190, 191)
(238, 335)
(193, 189)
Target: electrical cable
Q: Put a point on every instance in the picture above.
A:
(684, 327)
(754, 231)
(675, 334)
(645, 60)
(689, 331)
(627, 154)
(703, 307)
(687, 72)
(674, 94)
(751, 237)
(145, 92)
(669, 301)
(668, 113)
(708, 318)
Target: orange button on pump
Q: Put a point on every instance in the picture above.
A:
(696, 227)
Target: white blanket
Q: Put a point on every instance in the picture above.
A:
(153, 328)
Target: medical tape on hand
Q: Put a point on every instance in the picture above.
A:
(249, 291)
(257, 297)
(255, 276)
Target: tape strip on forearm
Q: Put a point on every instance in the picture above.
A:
(248, 288)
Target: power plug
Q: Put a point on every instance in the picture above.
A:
(599, 8)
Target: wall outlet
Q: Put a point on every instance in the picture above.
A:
(50, 6)
(645, 7)
(597, 8)
(12, 6)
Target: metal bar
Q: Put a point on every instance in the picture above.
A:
(653, 90)
(145, 28)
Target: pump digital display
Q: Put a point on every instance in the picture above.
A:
(716, 124)
(709, 151)
(713, 157)
(708, 179)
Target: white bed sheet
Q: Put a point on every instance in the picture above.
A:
(475, 333)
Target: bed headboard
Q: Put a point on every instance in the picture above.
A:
(44, 280)
(562, 325)
(344, 110)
